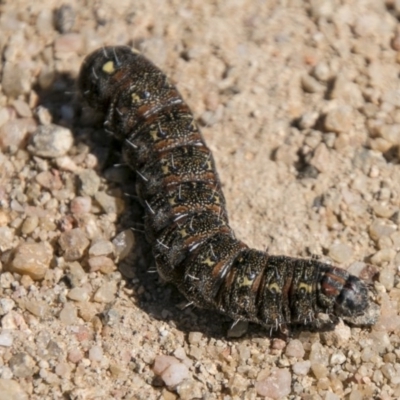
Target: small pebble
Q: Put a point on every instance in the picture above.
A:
(117, 371)
(391, 133)
(301, 368)
(13, 133)
(276, 386)
(73, 243)
(6, 339)
(89, 182)
(6, 238)
(32, 259)
(320, 371)
(321, 158)
(68, 315)
(387, 276)
(96, 353)
(380, 341)
(174, 374)
(63, 370)
(4, 115)
(196, 352)
(311, 85)
(101, 248)
(380, 228)
(162, 362)
(389, 372)
(22, 365)
(338, 358)
(12, 390)
(106, 292)
(383, 211)
(167, 395)
(51, 141)
(322, 71)
(383, 256)
(49, 179)
(74, 355)
(321, 8)
(170, 369)
(77, 275)
(347, 92)
(64, 18)
(66, 163)
(190, 389)
(13, 320)
(308, 120)
(339, 119)
(195, 337)
(278, 344)
(110, 204)
(389, 320)
(102, 264)
(318, 354)
(6, 305)
(16, 79)
(44, 22)
(341, 253)
(79, 294)
(180, 353)
(37, 308)
(339, 337)
(111, 317)
(43, 115)
(123, 243)
(295, 349)
(367, 354)
(22, 108)
(81, 205)
(244, 352)
(29, 225)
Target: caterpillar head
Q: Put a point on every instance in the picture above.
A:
(102, 72)
(348, 297)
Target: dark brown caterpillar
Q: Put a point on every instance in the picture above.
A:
(186, 221)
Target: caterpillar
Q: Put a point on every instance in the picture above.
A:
(186, 222)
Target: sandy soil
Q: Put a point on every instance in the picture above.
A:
(300, 103)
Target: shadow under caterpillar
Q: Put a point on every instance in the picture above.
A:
(186, 222)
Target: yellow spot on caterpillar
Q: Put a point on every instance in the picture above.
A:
(307, 288)
(209, 262)
(135, 51)
(183, 233)
(135, 98)
(154, 135)
(246, 282)
(108, 67)
(273, 287)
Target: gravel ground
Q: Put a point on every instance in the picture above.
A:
(300, 103)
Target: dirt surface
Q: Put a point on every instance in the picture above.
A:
(300, 103)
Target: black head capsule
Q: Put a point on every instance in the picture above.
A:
(353, 298)
(103, 72)
(347, 296)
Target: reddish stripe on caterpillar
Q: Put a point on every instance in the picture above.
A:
(186, 221)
